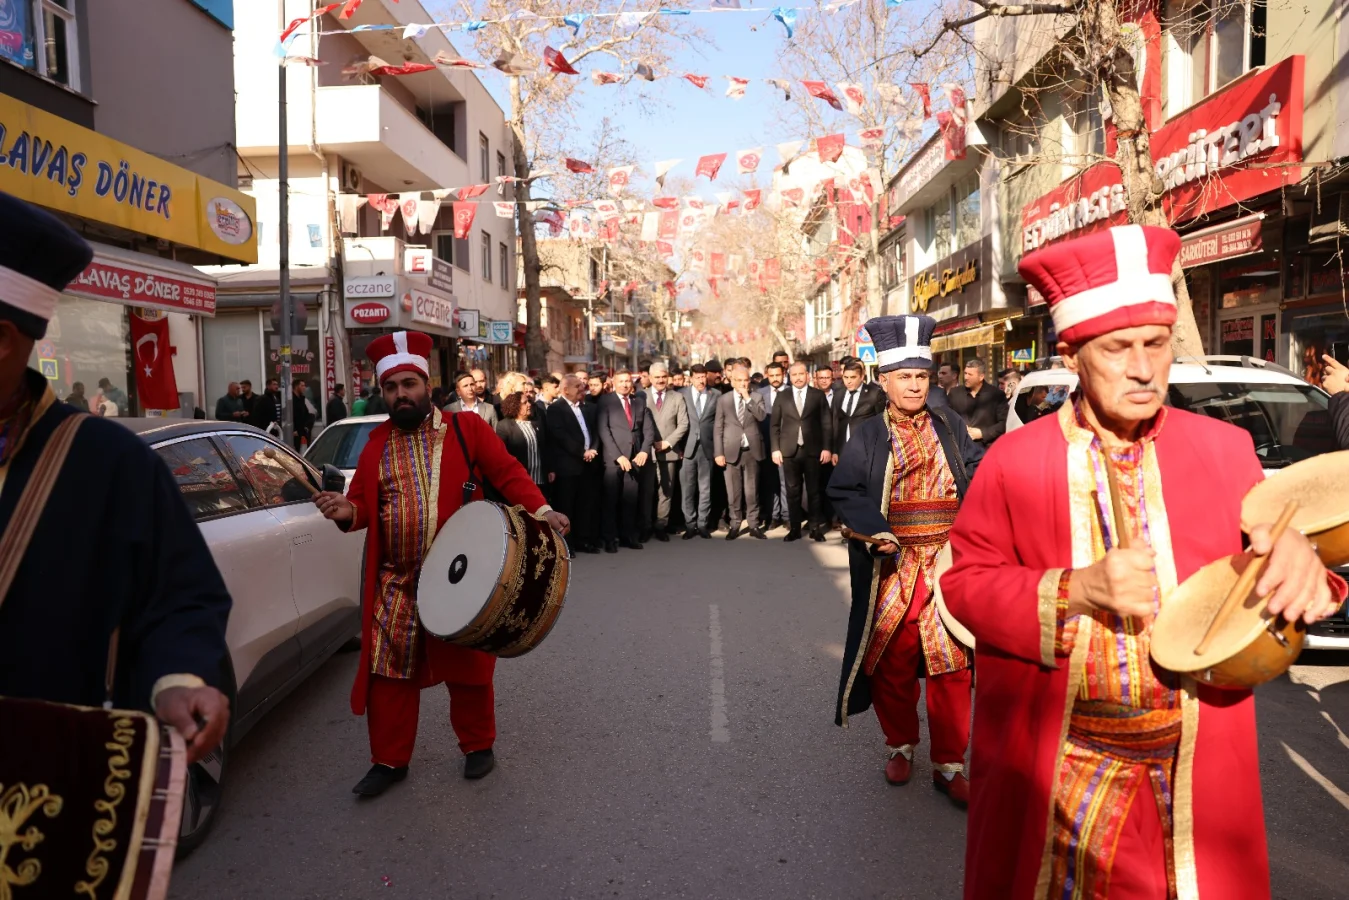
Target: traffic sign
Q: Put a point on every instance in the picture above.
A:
(49, 369)
(46, 350)
(867, 353)
(861, 336)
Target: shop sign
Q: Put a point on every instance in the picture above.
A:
(466, 320)
(52, 162)
(1201, 159)
(329, 364)
(428, 309)
(930, 160)
(500, 331)
(369, 286)
(955, 277)
(141, 287)
(1226, 242)
(369, 313)
(420, 262)
(1242, 329)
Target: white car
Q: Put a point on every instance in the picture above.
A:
(1287, 418)
(293, 576)
(341, 443)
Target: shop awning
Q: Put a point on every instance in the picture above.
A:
(145, 281)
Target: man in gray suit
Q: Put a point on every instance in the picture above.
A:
(672, 429)
(738, 444)
(468, 401)
(698, 469)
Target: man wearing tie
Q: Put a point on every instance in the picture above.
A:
(573, 446)
(696, 474)
(858, 401)
(800, 444)
(466, 387)
(738, 445)
(771, 483)
(627, 432)
(671, 415)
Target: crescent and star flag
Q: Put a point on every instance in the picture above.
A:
(689, 221)
(665, 248)
(747, 161)
(820, 91)
(853, 97)
(695, 202)
(698, 81)
(557, 62)
(665, 202)
(830, 147)
(605, 77)
(663, 168)
(718, 264)
(405, 69)
(753, 199)
(669, 225)
(871, 137)
(464, 211)
(925, 92)
(736, 89)
(579, 166)
(710, 165)
(619, 178)
(468, 192)
(155, 383)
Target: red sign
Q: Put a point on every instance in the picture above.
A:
(369, 313)
(1226, 242)
(329, 364)
(143, 287)
(1204, 158)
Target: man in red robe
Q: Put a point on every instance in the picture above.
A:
(900, 480)
(409, 480)
(1102, 775)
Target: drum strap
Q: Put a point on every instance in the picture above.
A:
(469, 486)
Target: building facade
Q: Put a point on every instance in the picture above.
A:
(150, 183)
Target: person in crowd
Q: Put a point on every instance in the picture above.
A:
(644, 377)
(782, 358)
(302, 416)
(389, 496)
(714, 376)
(524, 438)
(946, 377)
(738, 446)
(1033, 404)
(900, 480)
(1115, 776)
(246, 391)
(230, 407)
(699, 471)
(438, 398)
(375, 405)
(77, 399)
(360, 404)
(678, 380)
(627, 433)
(982, 406)
(550, 388)
(573, 451)
(756, 381)
(480, 386)
(825, 382)
(267, 409)
(1335, 381)
(337, 404)
(531, 392)
(858, 401)
(1008, 381)
(468, 400)
(671, 415)
(115, 595)
(116, 395)
(772, 486)
(594, 388)
(799, 439)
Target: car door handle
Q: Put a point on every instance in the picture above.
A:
(302, 539)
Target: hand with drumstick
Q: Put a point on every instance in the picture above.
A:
(1294, 581)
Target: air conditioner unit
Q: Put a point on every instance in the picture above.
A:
(353, 182)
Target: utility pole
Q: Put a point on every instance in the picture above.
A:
(283, 240)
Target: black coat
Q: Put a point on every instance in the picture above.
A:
(115, 547)
(337, 410)
(857, 490)
(870, 402)
(566, 442)
(813, 424)
(1339, 419)
(616, 437)
(987, 411)
(266, 409)
(514, 439)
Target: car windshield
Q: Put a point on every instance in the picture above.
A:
(340, 444)
(1287, 422)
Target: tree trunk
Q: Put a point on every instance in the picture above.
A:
(536, 349)
(782, 341)
(873, 263)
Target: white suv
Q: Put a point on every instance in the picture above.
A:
(1287, 418)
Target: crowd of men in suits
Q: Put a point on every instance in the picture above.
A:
(638, 456)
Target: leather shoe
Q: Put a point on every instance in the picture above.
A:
(733, 532)
(958, 788)
(379, 779)
(630, 544)
(817, 535)
(611, 546)
(758, 534)
(690, 534)
(898, 770)
(704, 534)
(778, 523)
(792, 536)
(478, 763)
(588, 548)
(662, 537)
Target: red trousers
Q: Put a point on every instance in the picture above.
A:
(894, 693)
(394, 704)
(1139, 869)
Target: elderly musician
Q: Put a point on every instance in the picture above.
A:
(417, 451)
(1100, 773)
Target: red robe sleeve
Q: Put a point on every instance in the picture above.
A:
(498, 466)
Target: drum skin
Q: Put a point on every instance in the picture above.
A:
(1249, 649)
(1320, 486)
(524, 599)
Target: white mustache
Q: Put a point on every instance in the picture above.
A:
(1132, 386)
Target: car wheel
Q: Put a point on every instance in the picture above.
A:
(205, 789)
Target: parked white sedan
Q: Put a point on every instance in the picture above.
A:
(294, 577)
(341, 443)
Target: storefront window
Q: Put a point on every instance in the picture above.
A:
(87, 344)
(937, 228)
(1251, 281)
(1315, 334)
(967, 211)
(306, 360)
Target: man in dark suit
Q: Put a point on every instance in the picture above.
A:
(573, 446)
(800, 442)
(696, 475)
(980, 404)
(627, 432)
(858, 401)
(772, 486)
(738, 445)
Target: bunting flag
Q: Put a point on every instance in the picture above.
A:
(712, 284)
(747, 161)
(783, 85)
(717, 264)
(463, 218)
(553, 219)
(689, 222)
(296, 23)
(830, 147)
(669, 286)
(736, 89)
(619, 178)
(788, 150)
(753, 199)
(669, 225)
(603, 78)
(772, 271)
(412, 32)
(632, 19)
(575, 21)
(871, 137)
(511, 64)
(663, 168)
(578, 166)
(822, 270)
(410, 206)
(504, 210)
(820, 91)
(644, 72)
(952, 133)
(579, 226)
(710, 165)
(853, 97)
(725, 198)
(925, 92)
(958, 102)
(456, 62)
(665, 248)
(695, 202)
(787, 16)
(891, 97)
(665, 202)
(650, 226)
(379, 67)
(557, 62)
(792, 197)
(725, 4)
(609, 229)
(698, 81)
(468, 192)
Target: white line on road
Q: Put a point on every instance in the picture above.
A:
(1326, 784)
(721, 732)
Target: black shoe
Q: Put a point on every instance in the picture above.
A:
(379, 779)
(778, 523)
(644, 537)
(662, 537)
(758, 533)
(733, 533)
(589, 548)
(817, 535)
(630, 544)
(704, 534)
(792, 536)
(611, 546)
(690, 534)
(478, 763)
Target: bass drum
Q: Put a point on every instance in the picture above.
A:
(958, 631)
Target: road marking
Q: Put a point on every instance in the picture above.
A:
(1326, 784)
(721, 732)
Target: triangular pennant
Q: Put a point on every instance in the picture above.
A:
(464, 211)
(788, 150)
(578, 166)
(853, 97)
(575, 20)
(619, 178)
(601, 78)
(663, 168)
(736, 89)
(557, 62)
(468, 192)
(747, 161)
(665, 202)
(456, 62)
(783, 85)
(787, 16)
(924, 91)
(892, 99)
(871, 137)
(643, 71)
(710, 165)
(698, 81)
(753, 199)
(511, 63)
(830, 147)
(820, 91)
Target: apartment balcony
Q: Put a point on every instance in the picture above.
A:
(365, 125)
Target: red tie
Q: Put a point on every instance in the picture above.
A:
(627, 411)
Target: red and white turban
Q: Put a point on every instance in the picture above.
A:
(402, 351)
(1113, 279)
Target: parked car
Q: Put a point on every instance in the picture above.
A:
(293, 576)
(1287, 418)
(341, 443)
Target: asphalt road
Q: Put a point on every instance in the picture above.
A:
(674, 737)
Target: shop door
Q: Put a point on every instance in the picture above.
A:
(1236, 335)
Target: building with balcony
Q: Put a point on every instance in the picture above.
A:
(351, 138)
(150, 182)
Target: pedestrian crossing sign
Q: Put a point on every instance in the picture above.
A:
(867, 353)
(48, 368)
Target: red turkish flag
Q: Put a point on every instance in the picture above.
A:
(665, 248)
(578, 166)
(952, 134)
(155, 383)
(820, 91)
(699, 81)
(351, 7)
(718, 263)
(463, 218)
(710, 165)
(830, 147)
(405, 69)
(753, 199)
(712, 283)
(669, 225)
(924, 90)
(772, 270)
(666, 203)
(557, 62)
(473, 190)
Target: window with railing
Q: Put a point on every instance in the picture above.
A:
(1205, 45)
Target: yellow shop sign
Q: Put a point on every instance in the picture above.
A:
(52, 162)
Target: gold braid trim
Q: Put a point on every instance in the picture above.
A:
(96, 867)
(18, 804)
(867, 626)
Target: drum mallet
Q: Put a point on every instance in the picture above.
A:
(1246, 580)
(864, 538)
(300, 476)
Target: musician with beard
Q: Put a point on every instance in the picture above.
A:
(411, 477)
